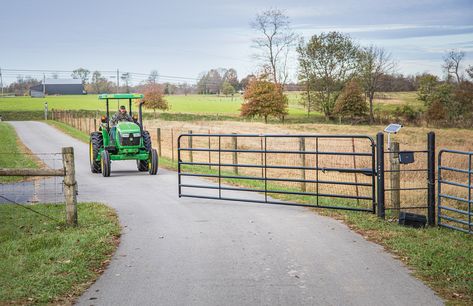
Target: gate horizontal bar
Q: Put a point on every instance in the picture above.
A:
(276, 202)
(455, 220)
(460, 211)
(366, 171)
(455, 228)
(277, 152)
(407, 207)
(281, 136)
(277, 179)
(279, 192)
(407, 188)
(454, 169)
(454, 184)
(454, 198)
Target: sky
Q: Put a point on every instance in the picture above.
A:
(184, 38)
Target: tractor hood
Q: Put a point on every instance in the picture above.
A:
(128, 127)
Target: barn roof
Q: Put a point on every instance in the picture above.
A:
(63, 82)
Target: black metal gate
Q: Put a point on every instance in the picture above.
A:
(454, 190)
(327, 171)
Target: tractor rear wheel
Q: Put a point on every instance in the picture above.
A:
(95, 144)
(153, 162)
(105, 163)
(143, 164)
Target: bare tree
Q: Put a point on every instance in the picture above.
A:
(274, 43)
(125, 77)
(452, 61)
(81, 73)
(373, 63)
(153, 77)
(469, 71)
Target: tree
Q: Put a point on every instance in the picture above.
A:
(305, 77)
(373, 63)
(263, 99)
(228, 89)
(246, 80)
(452, 61)
(99, 83)
(125, 77)
(210, 82)
(153, 98)
(427, 86)
(350, 102)
(153, 77)
(469, 71)
(274, 43)
(328, 60)
(231, 77)
(54, 76)
(81, 73)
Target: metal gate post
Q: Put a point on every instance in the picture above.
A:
(380, 173)
(178, 164)
(431, 178)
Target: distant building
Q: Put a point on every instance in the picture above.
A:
(58, 87)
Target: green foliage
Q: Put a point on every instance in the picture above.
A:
(264, 99)
(12, 153)
(407, 112)
(227, 88)
(326, 62)
(45, 262)
(351, 102)
(427, 86)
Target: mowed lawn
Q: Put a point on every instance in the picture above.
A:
(197, 104)
(194, 104)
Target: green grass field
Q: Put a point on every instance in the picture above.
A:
(195, 104)
(12, 153)
(44, 262)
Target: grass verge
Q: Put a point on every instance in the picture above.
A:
(45, 262)
(440, 257)
(13, 153)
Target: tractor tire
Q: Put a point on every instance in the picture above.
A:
(143, 164)
(105, 163)
(95, 144)
(153, 162)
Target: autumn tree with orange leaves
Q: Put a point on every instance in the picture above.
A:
(154, 98)
(264, 99)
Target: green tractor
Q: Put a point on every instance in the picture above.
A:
(127, 140)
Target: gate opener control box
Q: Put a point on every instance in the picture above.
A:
(406, 157)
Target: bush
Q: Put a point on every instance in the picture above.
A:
(351, 102)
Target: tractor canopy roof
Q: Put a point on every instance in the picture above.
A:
(121, 96)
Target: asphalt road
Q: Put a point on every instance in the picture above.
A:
(201, 252)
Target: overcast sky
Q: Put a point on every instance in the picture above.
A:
(184, 38)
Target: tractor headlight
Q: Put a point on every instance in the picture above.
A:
(136, 134)
(125, 135)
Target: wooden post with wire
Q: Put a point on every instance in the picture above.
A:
(158, 136)
(70, 185)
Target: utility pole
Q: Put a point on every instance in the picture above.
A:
(118, 79)
(44, 84)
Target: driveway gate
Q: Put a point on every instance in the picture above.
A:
(454, 190)
(337, 167)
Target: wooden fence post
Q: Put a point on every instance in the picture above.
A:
(70, 185)
(158, 136)
(303, 163)
(235, 154)
(395, 177)
(191, 158)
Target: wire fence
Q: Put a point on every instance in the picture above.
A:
(22, 189)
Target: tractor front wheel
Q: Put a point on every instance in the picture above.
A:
(95, 145)
(153, 162)
(105, 163)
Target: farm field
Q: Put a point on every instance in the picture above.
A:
(196, 104)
